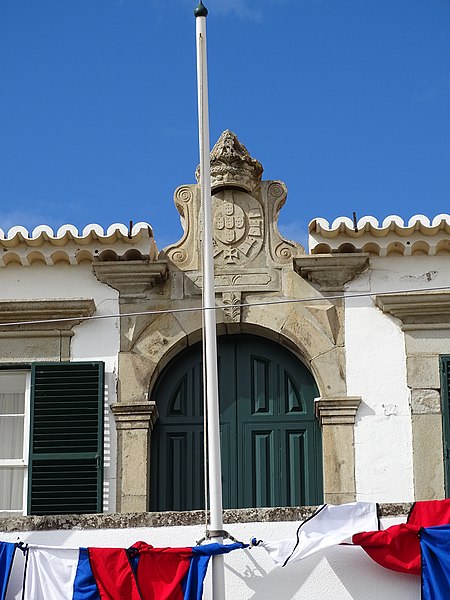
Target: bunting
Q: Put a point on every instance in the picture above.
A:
(421, 546)
(435, 551)
(7, 551)
(329, 526)
(141, 572)
(398, 548)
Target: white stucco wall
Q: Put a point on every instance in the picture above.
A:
(376, 371)
(341, 573)
(96, 340)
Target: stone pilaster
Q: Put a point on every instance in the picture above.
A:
(337, 418)
(134, 423)
(425, 321)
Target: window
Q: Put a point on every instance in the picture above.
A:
(14, 421)
(51, 438)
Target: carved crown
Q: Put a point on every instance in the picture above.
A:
(232, 165)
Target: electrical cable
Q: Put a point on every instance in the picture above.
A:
(278, 301)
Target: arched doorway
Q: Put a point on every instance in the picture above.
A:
(271, 440)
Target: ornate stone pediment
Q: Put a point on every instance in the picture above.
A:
(245, 216)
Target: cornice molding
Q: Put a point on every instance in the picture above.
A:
(337, 411)
(135, 415)
(131, 278)
(331, 271)
(417, 310)
(22, 311)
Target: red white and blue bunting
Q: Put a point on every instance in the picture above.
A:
(420, 546)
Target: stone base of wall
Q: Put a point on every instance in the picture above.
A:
(173, 519)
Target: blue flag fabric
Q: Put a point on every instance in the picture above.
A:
(435, 552)
(7, 551)
(193, 584)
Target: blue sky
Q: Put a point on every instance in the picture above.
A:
(346, 101)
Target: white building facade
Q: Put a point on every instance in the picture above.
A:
(333, 376)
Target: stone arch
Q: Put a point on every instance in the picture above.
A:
(293, 326)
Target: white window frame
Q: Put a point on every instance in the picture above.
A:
(20, 462)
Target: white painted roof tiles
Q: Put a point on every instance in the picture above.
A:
(70, 245)
(391, 237)
(371, 225)
(92, 232)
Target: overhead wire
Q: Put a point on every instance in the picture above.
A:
(262, 303)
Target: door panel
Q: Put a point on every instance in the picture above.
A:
(271, 443)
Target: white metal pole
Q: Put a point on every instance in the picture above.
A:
(212, 388)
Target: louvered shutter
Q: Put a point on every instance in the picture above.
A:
(445, 399)
(66, 445)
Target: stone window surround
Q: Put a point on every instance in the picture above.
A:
(26, 343)
(22, 343)
(425, 321)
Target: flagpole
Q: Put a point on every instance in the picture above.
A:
(209, 301)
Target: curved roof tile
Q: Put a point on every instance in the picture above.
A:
(116, 237)
(418, 235)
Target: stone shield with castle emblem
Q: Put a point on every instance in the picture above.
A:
(238, 226)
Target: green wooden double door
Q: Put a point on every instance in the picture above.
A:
(270, 438)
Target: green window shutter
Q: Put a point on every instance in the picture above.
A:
(66, 441)
(445, 399)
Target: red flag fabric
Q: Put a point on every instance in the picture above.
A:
(143, 572)
(113, 574)
(398, 547)
(160, 572)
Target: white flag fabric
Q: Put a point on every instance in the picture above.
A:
(329, 526)
(50, 573)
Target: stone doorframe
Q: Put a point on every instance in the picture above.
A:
(163, 338)
(313, 330)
